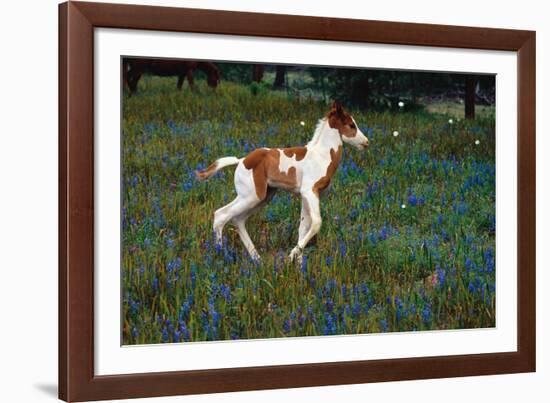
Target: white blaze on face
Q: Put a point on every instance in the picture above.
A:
(359, 141)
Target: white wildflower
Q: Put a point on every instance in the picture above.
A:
(395, 133)
(303, 123)
(477, 142)
(403, 206)
(450, 121)
(401, 104)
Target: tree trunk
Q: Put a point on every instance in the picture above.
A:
(470, 97)
(413, 88)
(257, 72)
(280, 77)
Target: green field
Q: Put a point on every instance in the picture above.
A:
(407, 241)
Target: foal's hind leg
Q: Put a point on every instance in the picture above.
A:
(240, 222)
(237, 207)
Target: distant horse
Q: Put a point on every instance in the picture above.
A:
(134, 68)
(306, 171)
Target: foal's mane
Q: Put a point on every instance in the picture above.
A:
(317, 133)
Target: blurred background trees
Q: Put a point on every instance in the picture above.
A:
(369, 88)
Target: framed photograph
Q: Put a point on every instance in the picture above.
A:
(255, 201)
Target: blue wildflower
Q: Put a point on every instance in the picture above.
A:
(165, 335)
(343, 248)
(413, 201)
(287, 326)
(427, 314)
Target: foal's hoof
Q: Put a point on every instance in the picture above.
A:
(295, 254)
(256, 258)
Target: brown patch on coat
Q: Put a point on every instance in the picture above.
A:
(324, 182)
(208, 172)
(264, 164)
(339, 119)
(299, 152)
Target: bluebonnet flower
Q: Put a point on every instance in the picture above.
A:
(343, 249)
(184, 310)
(287, 326)
(373, 237)
(399, 312)
(356, 309)
(412, 200)
(343, 321)
(462, 208)
(384, 325)
(471, 288)
(330, 327)
(440, 276)
(174, 264)
(165, 335)
(383, 233)
(226, 292)
(412, 309)
(215, 315)
(469, 265)
(133, 306)
(329, 305)
(303, 265)
(427, 314)
(489, 258)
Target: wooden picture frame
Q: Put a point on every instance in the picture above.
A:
(77, 21)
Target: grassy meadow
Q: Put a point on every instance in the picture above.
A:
(407, 241)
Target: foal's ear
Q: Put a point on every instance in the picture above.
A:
(337, 107)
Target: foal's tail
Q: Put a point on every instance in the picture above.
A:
(216, 166)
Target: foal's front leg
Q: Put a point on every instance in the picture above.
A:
(310, 202)
(305, 220)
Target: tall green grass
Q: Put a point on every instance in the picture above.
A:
(407, 241)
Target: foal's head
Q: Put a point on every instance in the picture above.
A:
(350, 133)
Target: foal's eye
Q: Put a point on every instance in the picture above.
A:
(352, 125)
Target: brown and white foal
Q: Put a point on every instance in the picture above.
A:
(302, 170)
